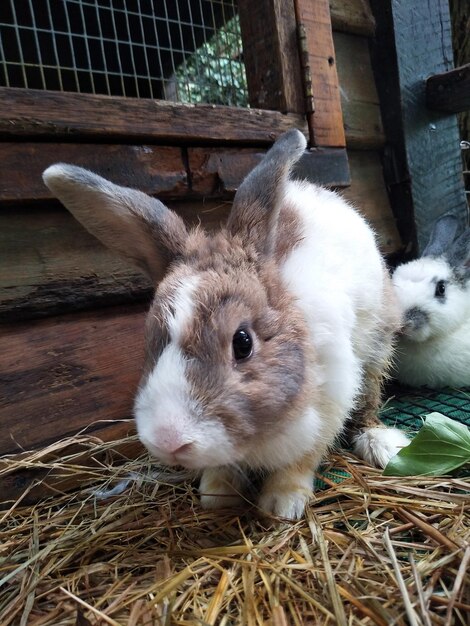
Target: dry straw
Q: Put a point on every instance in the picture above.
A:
(371, 550)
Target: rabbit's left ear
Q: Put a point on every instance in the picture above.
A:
(127, 221)
(258, 200)
(459, 255)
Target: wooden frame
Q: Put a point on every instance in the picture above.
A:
(275, 84)
(88, 332)
(33, 114)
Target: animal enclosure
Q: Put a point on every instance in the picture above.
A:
(63, 297)
(180, 99)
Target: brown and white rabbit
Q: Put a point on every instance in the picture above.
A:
(265, 340)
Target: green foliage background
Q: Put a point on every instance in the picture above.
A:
(215, 72)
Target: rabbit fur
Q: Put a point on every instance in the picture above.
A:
(295, 276)
(434, 294)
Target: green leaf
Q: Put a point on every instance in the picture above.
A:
(441, 446)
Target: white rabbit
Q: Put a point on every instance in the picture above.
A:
(434, 293)
(265, 340)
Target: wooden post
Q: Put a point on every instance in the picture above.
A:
(277, 76)
(270, 55)
(326, 122)
(422, 160)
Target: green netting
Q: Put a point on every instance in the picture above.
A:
(406, 407)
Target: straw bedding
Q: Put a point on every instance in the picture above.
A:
(371, 550)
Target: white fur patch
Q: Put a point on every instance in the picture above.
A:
(302, 435)
(168, 416)
(182, 307)
(336, 274)
(165, 398)
(221, 487)
(378, 445)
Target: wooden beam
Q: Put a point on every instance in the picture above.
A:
(449, 91)
(327, 119)
(170, 173)
(64, 374)
(158, 170)
(271, 56)
(422, 157)
(54, 118)
(353, 16)
(30, 113)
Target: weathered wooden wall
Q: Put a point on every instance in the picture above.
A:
(423, 163)
(460, 15)
(72, 313)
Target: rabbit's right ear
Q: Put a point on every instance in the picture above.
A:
(459, 255)
(127, 221)
(442, 236)
(258, 200)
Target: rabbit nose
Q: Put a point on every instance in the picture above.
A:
(171, 442)
(182, 449)
(415, 319)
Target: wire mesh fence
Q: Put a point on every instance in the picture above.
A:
(180, 50)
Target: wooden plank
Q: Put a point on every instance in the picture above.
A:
(49, 264)
(55, 115)
(369, 194)
(167, 172)
(359, 99)
(66, 373)
(423, 161)
(353, 16)
(225, 168)
(327, 120)
(163, 171)
(158, 170)
(449, 91)
(270, 55)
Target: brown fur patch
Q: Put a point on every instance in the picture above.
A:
(377, 367)
(289, 232)
(236, 288)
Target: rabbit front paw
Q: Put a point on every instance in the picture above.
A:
(219, 489)
(289, 505)
(286, 494)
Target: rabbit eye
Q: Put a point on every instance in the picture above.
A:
(440, 291)
(242, 345)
